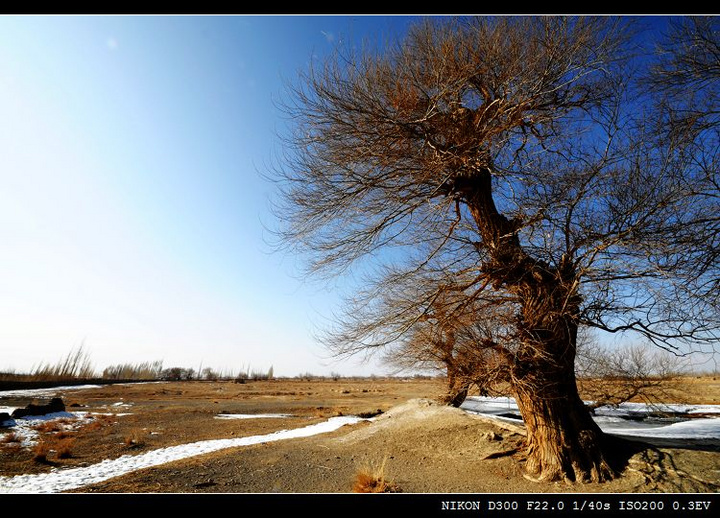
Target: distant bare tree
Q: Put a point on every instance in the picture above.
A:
(208, 374)
(609, 376)
(504, 184)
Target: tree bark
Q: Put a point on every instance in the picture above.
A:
(563, 441)
(458, 388)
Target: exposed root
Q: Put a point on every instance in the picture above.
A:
(569, 466)
(659, 473)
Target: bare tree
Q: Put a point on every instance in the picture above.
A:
(458, 341)
(610, 376)
(503, 171)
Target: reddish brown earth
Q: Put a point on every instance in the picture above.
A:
(420, 446)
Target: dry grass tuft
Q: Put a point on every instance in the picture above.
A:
(9, 438)
(63, 447)
(92, 426)
(11, 442)
(47, 426)
(371, 479)
(40, 452)
(134, 439)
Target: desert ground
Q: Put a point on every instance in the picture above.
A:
(418, 445)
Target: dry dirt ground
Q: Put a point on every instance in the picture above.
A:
(421, 447)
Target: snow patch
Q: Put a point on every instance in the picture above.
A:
(64, 480)
(635, 419)
(251, 416)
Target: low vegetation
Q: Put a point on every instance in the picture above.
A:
(41, 452)
(372, 479)
(134, 439)
(77, 366)
(609, 377)
(128, 371)
(63, 447)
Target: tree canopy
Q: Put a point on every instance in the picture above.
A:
(583, 176)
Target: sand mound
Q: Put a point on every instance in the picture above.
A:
(428, 415)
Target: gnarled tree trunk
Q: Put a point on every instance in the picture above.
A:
(458, 387)
(563, 441)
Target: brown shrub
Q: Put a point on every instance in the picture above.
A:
(373, 480)
(92, 426)
(40, 452)
(9, 438)
(11, 442)
(47, 426)
(63, 447)
(134, 439)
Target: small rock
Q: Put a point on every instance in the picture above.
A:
(55, 405)
(5, 420)
(492, 436)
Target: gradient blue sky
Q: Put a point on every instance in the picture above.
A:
(132, 210)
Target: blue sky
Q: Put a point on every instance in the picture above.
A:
(133, 211)
(132, 208)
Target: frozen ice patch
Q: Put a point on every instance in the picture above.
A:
(634, 419)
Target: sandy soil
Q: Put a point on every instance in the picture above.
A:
(420, 446)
